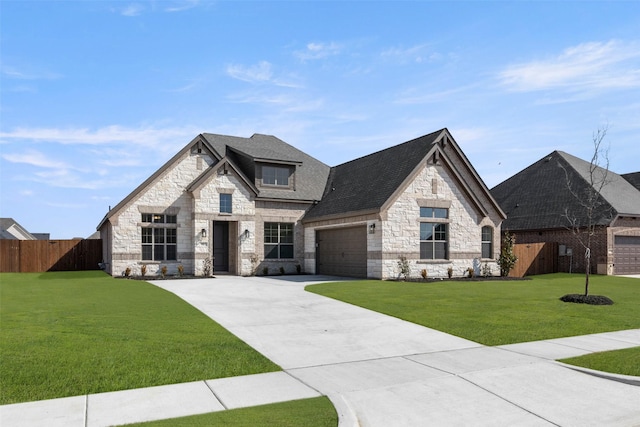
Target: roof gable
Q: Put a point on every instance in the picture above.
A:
(197, 145)
(371, 183)
(225, 164)
(366, 183)
(310, 173)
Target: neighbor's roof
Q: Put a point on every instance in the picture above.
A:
(11, 230)
(633, 178)
(310, 176)
(538, 197)
(366, 183)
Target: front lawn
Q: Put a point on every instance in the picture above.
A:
(499, 312)
(76, 333)
(315, 412)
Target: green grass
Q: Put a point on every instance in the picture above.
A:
(75, 333)
(316, 412)
(625, 362)
(499, 312)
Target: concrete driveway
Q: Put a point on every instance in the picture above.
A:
(382, 371)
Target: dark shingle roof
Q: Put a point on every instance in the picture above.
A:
(311, 174)
(538, 197)
(632, 178)
(367, 183)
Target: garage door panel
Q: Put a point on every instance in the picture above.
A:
(342, 251)
(626, 255)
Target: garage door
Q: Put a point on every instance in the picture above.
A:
(626, 255)
(342, 251)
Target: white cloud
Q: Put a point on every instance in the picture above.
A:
(314, 51)
(35, 158)
(29, 74)
(182, 5)
(142, 136)
(133, 9)
(259, 73)
(414, 54)
(587, 66)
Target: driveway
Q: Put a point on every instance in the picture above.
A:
(382, 371)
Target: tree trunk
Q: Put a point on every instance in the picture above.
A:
(587, 257)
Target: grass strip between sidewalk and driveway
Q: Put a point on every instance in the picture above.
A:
(500, 311)
(624, 362)
(76, 333)
(315, 412)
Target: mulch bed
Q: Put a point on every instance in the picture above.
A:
(587, 299)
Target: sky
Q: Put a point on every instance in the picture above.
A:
(95, 96)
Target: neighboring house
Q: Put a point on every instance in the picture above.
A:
(11, 230)
(538, 202)
(255, 205)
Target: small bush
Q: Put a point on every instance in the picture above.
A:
(486, 270)
(127, 272)
(281, 270)
(180, 270)
(423, 273)
(143, 270)
(298, 268)
(470, 272)
(450, 272)
(163, 271)
(265, 271)
(403, 266)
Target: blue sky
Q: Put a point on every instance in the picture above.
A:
(95, 96)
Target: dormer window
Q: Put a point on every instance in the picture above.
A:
(275, 175)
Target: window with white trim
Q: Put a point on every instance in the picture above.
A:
(159, 237)
(278, 240)
(487, 242)
(434, 235)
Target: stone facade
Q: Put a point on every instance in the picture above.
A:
(434, 187)
(190, 186)
(165, 196)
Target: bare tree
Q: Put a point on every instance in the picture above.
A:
(593, 208)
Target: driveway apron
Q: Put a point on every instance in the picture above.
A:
(382, 371)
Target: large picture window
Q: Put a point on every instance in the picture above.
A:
(487, 242)
(434, 235)
(278, 240)
(275, 175)
(159, 237)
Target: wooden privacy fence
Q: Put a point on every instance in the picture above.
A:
(535, 258)
(36, 256)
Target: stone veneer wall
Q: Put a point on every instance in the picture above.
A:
(401, 228)
(206, 209)
(165, 195)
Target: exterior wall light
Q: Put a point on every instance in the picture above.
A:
(246, 233)
(372, 228)
(203, 233)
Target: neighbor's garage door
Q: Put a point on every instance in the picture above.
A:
(626, 255)
(342, 251)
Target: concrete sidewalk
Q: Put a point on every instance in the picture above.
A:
(376, 369)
